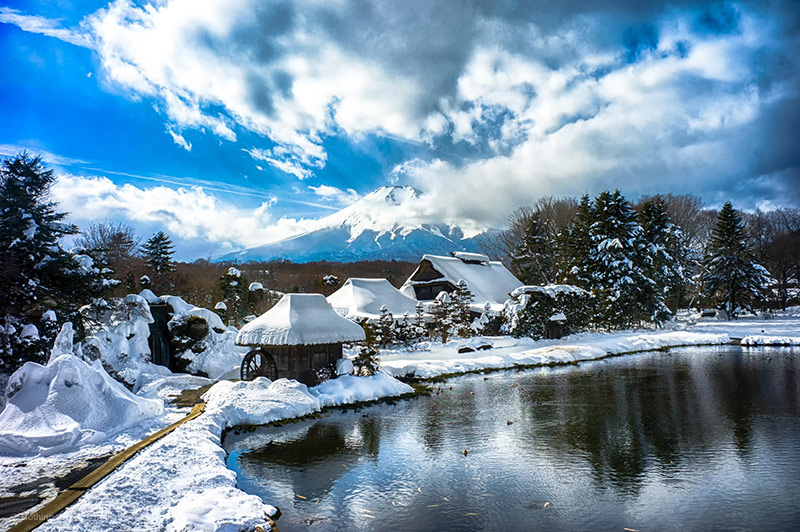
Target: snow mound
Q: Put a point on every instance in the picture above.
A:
(300, 319)
(67, 403)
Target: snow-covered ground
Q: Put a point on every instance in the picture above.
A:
(182, 483)
(507, 352)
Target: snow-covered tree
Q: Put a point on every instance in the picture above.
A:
(158, 252)
(442, 314)
(620, 260)
(732, 277)
(669, 253)
(462, 318)
(419, 328)
(531, 259)
(385, 327)
(231, 285)
(43, 284)
(574, 245)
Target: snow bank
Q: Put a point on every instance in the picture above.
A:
(182, 482)
(771, 340)
(510, 352)
(65, 404)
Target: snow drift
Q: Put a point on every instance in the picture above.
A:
(67, 403)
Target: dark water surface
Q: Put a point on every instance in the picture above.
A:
(693, 439)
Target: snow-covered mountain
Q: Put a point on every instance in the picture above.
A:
(387, 223)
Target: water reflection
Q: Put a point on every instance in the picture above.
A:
(673, 441)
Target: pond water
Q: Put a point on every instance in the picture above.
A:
(690, 439)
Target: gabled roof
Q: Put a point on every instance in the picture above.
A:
(300, 319)
(363, 298)
(489, 281)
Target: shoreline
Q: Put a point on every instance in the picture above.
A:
(191, 461)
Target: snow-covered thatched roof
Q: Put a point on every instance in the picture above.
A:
(363, 298)
(551, 290)
(300, 319)
(489, 281)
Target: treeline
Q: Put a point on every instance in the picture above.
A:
(644, 261)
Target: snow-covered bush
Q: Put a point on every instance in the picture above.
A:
(117, 335)
(529, 309)
(201, 340)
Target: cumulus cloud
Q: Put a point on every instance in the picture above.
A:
(189, 213)
(515, 100)
(335, 195)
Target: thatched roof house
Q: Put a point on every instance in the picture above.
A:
(489, 281)
(363, 298)
(299, 338)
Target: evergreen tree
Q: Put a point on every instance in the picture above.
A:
(732, 277)
(43, 284)
(385, 327)
(419, 328)
(461, 315)
(442, 312)
(531, 259)
(574, 246)
(619, 261)
(231, 285)
(158, 251)
(668, 252)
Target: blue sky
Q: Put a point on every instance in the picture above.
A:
(229, 124)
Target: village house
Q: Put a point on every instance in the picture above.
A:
(363, 299)
(489, 281)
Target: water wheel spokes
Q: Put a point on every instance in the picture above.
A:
(257, 363)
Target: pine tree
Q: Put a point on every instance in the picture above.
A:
(385, 327)
(158, 251)
(619, 261)
(231, 285)
(461, 315)
(732, 277)
(420, 329)
(43, 284)
(531, 259)
(442, 313)
(668, 252)
(574, 246)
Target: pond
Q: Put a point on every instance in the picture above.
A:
(690, 439)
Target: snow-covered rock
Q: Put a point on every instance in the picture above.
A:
(65, 404)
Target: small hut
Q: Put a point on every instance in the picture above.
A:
(299, 338)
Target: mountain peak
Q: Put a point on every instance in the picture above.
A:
(384, 224)
(393, 194)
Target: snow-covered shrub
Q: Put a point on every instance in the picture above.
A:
(529, 309)
(117, 335)
(366, 362)
(201, 341)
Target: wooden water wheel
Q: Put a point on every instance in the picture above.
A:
(258, 363)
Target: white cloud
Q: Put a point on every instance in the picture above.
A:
(179, 140)
(10, 150)
(189, 213)
(44, 26)
(335, 195)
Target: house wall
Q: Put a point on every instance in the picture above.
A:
(304, 362)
